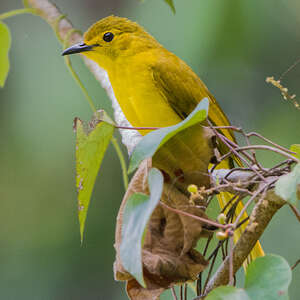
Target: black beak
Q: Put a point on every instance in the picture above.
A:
(77, 48)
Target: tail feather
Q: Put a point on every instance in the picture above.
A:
(257, 251)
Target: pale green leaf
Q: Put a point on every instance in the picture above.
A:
(227, 293)
(268, 278)
(5, 41)
(137, 212)
(92, 140)
(155, 139)
(288, 186)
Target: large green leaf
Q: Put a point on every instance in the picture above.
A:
(288, 186)
(5, 41)
(92, 140)
(137, 212)
(171, 4)
(227, 293)
(155, 139)
(268, 278)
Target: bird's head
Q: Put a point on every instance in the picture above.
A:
(111, 38)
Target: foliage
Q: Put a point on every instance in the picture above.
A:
(155, 139)
(267, 278)
(288, 186)
(92, 140)
(137, 212)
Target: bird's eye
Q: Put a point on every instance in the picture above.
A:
(108, 36)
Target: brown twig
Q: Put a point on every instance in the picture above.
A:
(203, 220)
(295, 211)
(232, 146)
(295, 264)
(289, 68)
(261, 216)
(246, 135)
(265, 147)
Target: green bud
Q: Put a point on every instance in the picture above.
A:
(192, 188)
(221, 219)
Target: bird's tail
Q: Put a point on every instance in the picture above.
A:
(257, 251)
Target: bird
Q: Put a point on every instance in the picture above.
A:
(155, 88)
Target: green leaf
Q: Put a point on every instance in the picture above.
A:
(296, 148)
(288, 186)
(137, 212)
(227, 293)
(5, 41)
(155, 139)
(171, 4)
(92, 140)
(268, 278)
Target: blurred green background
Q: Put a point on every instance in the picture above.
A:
(232, 45)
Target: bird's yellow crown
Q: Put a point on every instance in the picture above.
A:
(113, 37)
(112, 23)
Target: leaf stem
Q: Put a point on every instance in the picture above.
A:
(78, 81)
(16, 12)
(74, 74)
(122, 161)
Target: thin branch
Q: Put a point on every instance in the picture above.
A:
(295, 211)
(261, 216)
(295, 264)
(240, 130)
(174, 293)
(269, 141)
(203, 220)
(265, 147)
(16, 12)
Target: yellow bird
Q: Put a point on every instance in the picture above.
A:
(155, 88)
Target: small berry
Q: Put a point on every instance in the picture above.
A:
(221, 219)
(221, 235)
(192, 188)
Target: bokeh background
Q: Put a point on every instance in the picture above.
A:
(232, 45)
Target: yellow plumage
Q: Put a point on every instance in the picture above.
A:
(156, 89)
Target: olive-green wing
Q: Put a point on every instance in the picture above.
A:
(183, 90)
